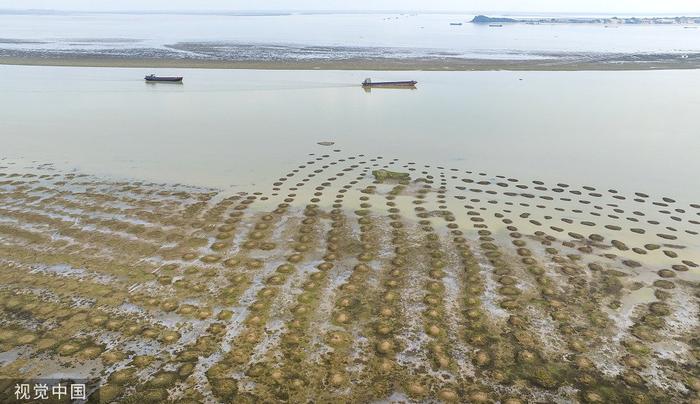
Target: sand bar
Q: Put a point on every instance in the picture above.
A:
(576, 63)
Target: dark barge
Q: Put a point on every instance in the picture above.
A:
(391, 84)
(171, 79)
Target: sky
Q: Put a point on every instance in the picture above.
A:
(585, 6)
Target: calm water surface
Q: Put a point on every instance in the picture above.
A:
(633, 131)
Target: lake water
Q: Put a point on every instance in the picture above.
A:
(376, 35)
(635, 131)
(562, 205)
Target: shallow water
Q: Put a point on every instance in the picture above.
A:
(632, 131)
(412, 34)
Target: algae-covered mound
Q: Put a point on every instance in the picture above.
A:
(383, 175)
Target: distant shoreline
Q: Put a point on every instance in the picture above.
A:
(611, 63)
(684, 20)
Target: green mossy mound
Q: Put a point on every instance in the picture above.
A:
(384, 175)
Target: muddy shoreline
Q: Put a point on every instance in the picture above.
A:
(572, 63)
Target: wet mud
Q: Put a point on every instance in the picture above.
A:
(350, 278)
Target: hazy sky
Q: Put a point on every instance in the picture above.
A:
(589, 6)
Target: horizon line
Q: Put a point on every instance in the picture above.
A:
(351, 11)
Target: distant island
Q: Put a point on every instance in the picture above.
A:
(482, 19)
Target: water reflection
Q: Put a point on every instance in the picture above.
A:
(172, 83)
(368, 89)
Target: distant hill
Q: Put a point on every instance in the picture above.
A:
(482, 19)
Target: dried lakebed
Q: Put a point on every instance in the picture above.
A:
(345, 281)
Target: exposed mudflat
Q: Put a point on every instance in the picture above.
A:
(337, 284)
(275, 57)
